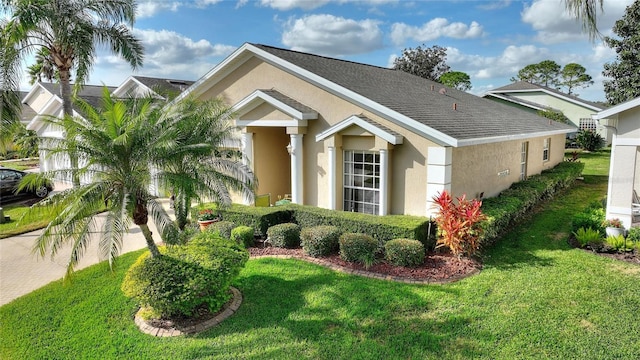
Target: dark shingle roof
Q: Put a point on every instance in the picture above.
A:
(27, 112)
(288, 101)
(92, 94)
(165, 87)
(412, 96)
(523, 86)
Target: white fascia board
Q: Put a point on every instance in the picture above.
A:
(34, 91)
(617, 109)
(271, 123)
(515, 101)
(565, 98)
(355, 120)
(497, 139)
(53, 105)
(253, 100)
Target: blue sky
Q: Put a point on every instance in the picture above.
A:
(488, 39)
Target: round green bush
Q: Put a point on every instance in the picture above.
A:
(320, 240)
(223, 228)
(243, 235)
(185, 277)
(356, 247)
(404, 252)
(285, 235)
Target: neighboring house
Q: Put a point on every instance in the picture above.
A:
(624, 172)
(533, 97)
(44, 100)
(355, 137)
(27, 112)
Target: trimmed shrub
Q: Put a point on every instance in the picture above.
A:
(223, 228)
(404, 252)
(259, 218)
(243, 235)
(357, 247)
(284, 235)
(320, 240)
(185, 277)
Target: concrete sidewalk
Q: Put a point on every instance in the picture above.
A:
(21, 271)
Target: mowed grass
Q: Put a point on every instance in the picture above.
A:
(13, 227)
(536, 298)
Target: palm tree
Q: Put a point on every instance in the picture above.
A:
(586, 11)
(69, 30)
(10, 106)
(127, 146)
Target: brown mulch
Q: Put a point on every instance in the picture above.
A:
(436, 268)
(632, 257)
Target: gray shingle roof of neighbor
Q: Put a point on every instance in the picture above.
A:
(164, 87)
(455, 113)
(27, 112)
(92, 94)
(287, 100)
(523, 85)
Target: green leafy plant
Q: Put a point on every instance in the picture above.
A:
(186, 276)
(589, 140)
(320, 240)
(592, 217)
(619, 243)
(207, 215)
(459, 223)
(588, 237)
(404, 252)
(358, 247)
(285, 235)
(243, 235)
(223, 228)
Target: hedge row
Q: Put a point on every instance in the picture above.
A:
(382, 228)
(513, 203)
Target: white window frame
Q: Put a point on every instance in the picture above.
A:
(524, 154)
(546, 145)
(358, 171)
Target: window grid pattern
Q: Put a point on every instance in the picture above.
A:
(545, 149)
(362, 181)
(523, 160)
(587, 124)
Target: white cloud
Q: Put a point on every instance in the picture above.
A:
(285, 5)
(148, 8)
(494, 5)
(555, 24)
(507, 64)
(436, 28)
(331, 35)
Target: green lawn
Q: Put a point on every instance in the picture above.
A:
(536, 298)
(16, 211)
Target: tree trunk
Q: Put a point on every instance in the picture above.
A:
(148, 236)
(67, 109)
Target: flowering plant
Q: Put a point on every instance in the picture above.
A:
(207, 214)
(614, 223)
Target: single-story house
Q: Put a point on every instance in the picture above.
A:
(624, 171)
(140, 86)
(534, 97)
(355, 137)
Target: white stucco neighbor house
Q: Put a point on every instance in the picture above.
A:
(534, 97)
(624, 172)
(355, 137)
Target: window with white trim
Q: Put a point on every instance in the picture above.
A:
(545, 149)
(524, 153)
(362, 181)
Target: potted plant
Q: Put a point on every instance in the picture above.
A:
(613, 227)
(207, 217)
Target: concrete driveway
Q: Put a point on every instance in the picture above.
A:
(21, 271)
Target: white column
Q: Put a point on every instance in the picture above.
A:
(246, 142)
(296, 168)
(332, 178)
(384, 181)
(439, 161)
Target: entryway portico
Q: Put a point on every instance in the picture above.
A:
(272, 127)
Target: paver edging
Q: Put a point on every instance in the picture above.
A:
(226, 311)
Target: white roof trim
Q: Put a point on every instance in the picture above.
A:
(617, 109)
(391, 138)
(551, 93)
(495, 139)
(34, 90)
(271, 123)
(254, 99)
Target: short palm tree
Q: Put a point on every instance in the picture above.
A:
(128, 147)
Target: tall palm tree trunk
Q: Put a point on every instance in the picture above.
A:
(148, 236)
(141, 218)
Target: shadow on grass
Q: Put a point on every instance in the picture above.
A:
(333, 315)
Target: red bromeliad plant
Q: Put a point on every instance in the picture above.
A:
(459, 224)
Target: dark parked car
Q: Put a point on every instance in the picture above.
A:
(9, 180)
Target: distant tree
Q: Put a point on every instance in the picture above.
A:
(457, 80)
(428, 63)
(10, 106)
(625, 77)
(586, 11)
(25, 141)
(544, 73)
(554, 115)
(574, 75)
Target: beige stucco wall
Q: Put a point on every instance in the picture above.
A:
(491, 168)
